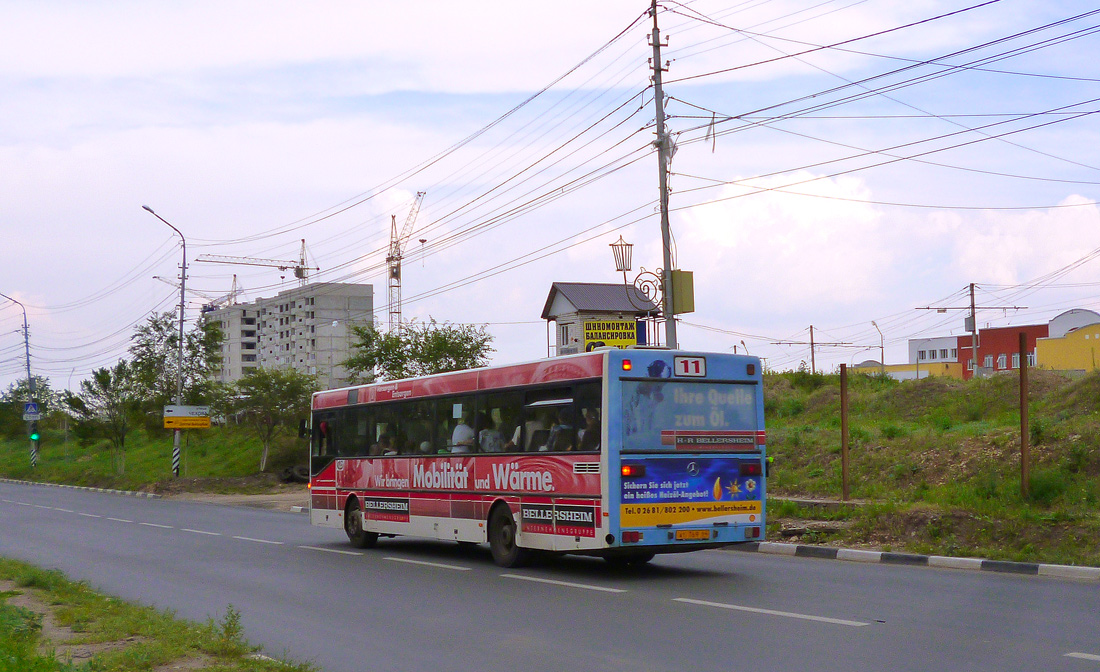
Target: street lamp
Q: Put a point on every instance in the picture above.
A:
(179, 356)
(30, 379)
(881, 349)
(649, 284)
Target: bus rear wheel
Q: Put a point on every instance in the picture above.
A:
(502, 539)
(353, 526)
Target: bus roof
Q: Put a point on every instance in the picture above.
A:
(555, 369)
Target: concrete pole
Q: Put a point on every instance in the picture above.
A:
(662, 176)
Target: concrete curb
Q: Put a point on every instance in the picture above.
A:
(125, 493)
(916, 560)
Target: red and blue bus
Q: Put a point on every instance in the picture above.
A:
(617, 453)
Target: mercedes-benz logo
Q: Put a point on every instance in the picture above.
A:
(693, 469)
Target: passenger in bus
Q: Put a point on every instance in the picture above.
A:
(462, 438)
(489, 438)
(590, 435)
(561, 433)
(383, 447)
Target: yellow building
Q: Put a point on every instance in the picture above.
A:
(1078, 350)
(912, 371)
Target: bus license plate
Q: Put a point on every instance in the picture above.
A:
(692, 535)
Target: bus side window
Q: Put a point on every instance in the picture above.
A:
(590, 418)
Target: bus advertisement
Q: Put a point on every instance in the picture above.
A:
(622, 454)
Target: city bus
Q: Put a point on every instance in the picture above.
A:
(619, 453)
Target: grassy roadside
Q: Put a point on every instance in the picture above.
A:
(220, 459)
(51, 624)
(936, 465)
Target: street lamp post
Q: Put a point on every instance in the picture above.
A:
(30, 379)
(881, 349)
(179, 356)
(649, 284)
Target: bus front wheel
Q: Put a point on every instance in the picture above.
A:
(502, 539)
(353, 526)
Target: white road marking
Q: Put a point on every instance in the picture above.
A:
(330, 550)
(22, 504)
(163, 527)
(258, 541)
(429, 564)
(771, 612)
(1083, 656)
(64, 510)
(8, 501)
(567, 584)
(39, 506)
(88, 515)
(212, 534)
(120, 520)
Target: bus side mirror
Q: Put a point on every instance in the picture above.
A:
(303, 429)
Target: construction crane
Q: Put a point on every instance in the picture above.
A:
(300, 268)
(397, 249)
(212, 302)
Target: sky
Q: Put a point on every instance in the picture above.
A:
(837, 163)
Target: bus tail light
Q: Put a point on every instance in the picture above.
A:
(752, 533)
(750, 469)
(630, 470)
(632, 537)
(627, 365)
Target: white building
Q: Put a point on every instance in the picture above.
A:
(305, 328)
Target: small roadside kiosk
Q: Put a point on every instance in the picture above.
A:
(590, 315)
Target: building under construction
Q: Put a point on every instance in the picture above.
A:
(307, 328)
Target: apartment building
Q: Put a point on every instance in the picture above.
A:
(306, 328)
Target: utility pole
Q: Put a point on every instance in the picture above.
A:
(972, 322)
(813, 362)
(33, 426)
(179, 355)
(663, 160)
(813, 347)
(881, 349)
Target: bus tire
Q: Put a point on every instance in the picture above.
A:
(353, 526)
(502, 539)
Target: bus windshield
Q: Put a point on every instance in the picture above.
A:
(666, 415)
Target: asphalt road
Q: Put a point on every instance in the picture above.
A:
(414, 605)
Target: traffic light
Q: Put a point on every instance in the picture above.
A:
(34, 431)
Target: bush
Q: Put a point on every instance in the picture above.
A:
(892, 432)
(1046, 486)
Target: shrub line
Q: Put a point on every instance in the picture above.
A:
(125, 493)
(917, 560)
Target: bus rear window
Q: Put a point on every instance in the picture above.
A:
(651, 407)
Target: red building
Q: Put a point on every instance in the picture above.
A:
(999, 348)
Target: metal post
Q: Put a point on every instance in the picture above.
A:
(31, 388)
(1025, 448)
(844, 431)
(179, 356)
(662, 176)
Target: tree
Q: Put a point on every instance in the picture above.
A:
(109, 401)
(12, 402)
(271, 402)
(418, 349)
(155, 352)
